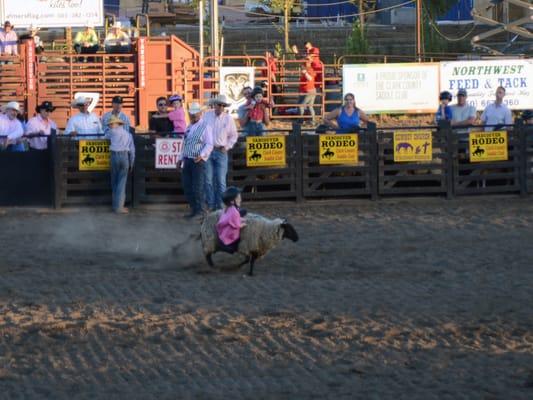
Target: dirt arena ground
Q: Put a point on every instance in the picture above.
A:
(397, 299)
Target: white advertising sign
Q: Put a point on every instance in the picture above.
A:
(482, 78)
(52, 13)
(167, 153)
(393, 88)
(232, 81)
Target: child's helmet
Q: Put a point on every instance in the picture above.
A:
(230, 195)
(445, 96)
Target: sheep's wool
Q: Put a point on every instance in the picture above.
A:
(258, 236)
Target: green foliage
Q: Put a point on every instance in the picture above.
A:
(357, 41)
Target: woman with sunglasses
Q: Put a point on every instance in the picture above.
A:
(346, 119)
(159, 121)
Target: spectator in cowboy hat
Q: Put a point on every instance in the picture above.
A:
(122, 149)
(197, 147)
(86, 41)
(84, 124)
(117, 41)
(33, 34)
(11, 129)
(116, 104)
(225, 136)
(40, 126)
(8, 40)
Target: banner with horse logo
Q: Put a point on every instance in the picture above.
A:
(488, 146)
(265, 151)
(413, 146)
(94, 155)
(338, 149)
(232, 81)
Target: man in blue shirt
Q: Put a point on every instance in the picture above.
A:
(497, 113)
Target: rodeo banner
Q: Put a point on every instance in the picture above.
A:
(482, 78)
(265, 151)
(488, 146)
(232, 81)
(338, 149)
(415, 146)
(52, 13)
(94, 155)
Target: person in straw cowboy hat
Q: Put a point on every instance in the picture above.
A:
(8, 40)
(40, 126)
(11, 129)
(117, 41)
(122, 159)
(85, 123)
(197, 147)
(225, 136)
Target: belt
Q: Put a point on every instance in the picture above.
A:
(220, 148)
(121, 151)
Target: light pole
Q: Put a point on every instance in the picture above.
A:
(201, 26)
(214, 30)
(419, 48)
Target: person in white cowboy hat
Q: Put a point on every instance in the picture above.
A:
(11, 129)
(40, 126)
(86, 41)
(197, 146)
(84, 124)
(122, 159)
(117, 41)
(225, 136)
(8, 40)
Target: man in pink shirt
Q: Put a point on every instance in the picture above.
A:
(225, 136)
(8, 40)
(40, 126)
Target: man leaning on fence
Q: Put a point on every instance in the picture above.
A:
(11, 129)
(497, 113)
(462, 115)
(225, 136)
(40, 127)
(116, 111)
(85, 124)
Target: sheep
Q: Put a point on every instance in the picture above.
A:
(258, 237)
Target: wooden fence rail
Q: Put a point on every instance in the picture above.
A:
(449, 173)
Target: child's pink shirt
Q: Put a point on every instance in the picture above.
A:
(229, 226)
(177, 117)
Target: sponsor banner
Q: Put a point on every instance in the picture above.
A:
(232, 81)
(338, 149)
(94, 155)
(265, 151)
(482, 78)
(393, 88)
(52, 13)
(167, 153)
(488, 146)
(413, 146)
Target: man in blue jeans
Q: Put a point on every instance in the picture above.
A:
(225, 136)
(197, 146)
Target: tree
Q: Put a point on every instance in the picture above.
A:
(287, 7)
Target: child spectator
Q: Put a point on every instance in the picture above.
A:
(177, 116)
(444, 113)
(258, 115)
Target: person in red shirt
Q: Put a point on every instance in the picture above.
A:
(311, 50)
(258, 115)
(318, 67)
(307, 90)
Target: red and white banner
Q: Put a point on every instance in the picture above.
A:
(167, 153)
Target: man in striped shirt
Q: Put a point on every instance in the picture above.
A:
(197, 147)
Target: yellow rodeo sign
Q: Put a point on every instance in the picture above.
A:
(412, 146)
(488, 146)
(94, 155)
(338, 149)
(265, 151)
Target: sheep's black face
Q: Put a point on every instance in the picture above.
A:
(289, 232)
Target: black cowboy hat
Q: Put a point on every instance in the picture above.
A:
(46, 105)
(117, 100)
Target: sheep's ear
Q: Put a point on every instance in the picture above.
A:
(289, 232)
